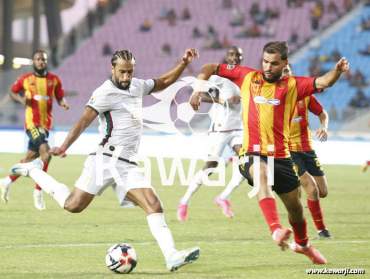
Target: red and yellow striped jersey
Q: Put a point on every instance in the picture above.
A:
(300, 139)
(39, 92)
(267, 107)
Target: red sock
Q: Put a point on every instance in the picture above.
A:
(13, 177)
(300, 232)
(316, 213)
(269, 210)
(368, 163)
(45, 169)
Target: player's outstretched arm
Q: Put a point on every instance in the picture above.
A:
(171, 76)
(332, 76)
(87, 117)
(322, 132)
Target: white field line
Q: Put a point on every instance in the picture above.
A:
(222, 242)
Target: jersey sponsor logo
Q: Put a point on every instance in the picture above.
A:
(40, 98)
(262, 100)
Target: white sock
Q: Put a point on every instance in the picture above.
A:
(161, 233)
(56, 190)
(194, 185)
(7, 181)
(233, 184)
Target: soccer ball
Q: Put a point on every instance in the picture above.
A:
(121, 258)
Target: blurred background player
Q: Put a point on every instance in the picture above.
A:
(117, 103)
(310, 172)
(268, 103)
(36, 91)
(227, 131)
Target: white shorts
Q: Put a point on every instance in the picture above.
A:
(219, 140)
(122, 176)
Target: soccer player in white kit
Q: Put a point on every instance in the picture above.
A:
(226, 131)
(118, 105)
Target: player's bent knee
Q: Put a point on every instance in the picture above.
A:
(154, 206)
(75, 205)
(323, 193)
(312, 193)
(74, 208)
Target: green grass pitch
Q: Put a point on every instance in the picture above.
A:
(57, 244)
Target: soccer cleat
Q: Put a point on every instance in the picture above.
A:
(182, 212)
(281, 236)
(38, 199)
(24, 168)
(181, 258)
(324, 234)
(225, 206)
(312, 253)
(5, 190)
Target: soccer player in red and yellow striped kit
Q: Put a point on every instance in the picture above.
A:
(268, 103)
(308, 167)
(36, 91)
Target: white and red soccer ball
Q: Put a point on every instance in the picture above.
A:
(121, 258)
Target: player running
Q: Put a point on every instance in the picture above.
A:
(226, 131)
(118, 104)
(36, 91)
(310, 172)
(268, 103)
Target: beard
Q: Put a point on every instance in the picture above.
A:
(121, 85)
(40, 72)
(273, 78)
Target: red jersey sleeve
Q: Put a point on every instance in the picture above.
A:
(59, 91)
(234, 73)
(306, 86)
(314, 106)
(17, 86)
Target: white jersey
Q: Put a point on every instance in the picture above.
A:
(120, 115)
(227, 118)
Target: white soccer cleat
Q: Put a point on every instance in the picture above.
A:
(5, 190)
(183, 257)
(38, 199)
(24, 168)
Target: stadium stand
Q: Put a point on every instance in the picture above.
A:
(87, 67)
(349, 39)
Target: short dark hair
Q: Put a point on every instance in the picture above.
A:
(122, 54)
(237, 49)
(280, 47)
(39, 50)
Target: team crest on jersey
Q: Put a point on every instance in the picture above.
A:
(230, 66)
(256, 85)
